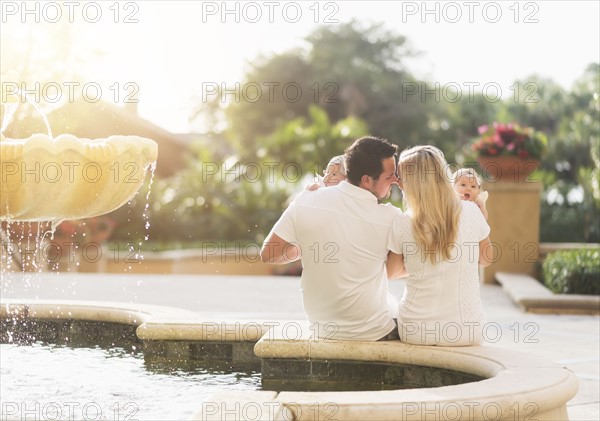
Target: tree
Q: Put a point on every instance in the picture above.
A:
(310, 143)
(348, 70)
(454, 124)
(570, 201)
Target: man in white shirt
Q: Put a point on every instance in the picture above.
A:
(341, 233)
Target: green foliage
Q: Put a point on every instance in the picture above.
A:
(367, 65)
(311, 143)
(278, 78)
(210, 200)
(348, 70)
(462, 120)
(564, 222)
(595, 175)
(573, 271)
(570, 207)
(537, 102)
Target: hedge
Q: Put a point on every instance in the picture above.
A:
(573, 271)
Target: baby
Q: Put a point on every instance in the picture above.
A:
(468, 186)
(334, 173)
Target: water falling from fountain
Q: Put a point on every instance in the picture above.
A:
(32, 207)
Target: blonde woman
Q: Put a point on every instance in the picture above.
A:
(440, 242)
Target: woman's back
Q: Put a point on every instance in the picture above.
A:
(441, 303)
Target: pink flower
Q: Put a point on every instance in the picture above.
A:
(509, 139)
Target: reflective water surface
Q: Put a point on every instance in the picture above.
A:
(41, 381)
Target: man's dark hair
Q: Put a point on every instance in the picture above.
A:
(364, 157)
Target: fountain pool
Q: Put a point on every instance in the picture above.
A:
(66, 382)
(495, 384)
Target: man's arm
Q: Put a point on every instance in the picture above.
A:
(395, 266)
(276, 251)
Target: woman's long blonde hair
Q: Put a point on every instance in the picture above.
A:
(428, 193)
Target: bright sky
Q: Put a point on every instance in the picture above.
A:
(175, 46)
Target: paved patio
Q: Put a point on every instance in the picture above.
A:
(570, 340)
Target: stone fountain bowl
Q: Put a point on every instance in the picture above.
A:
(66, 177)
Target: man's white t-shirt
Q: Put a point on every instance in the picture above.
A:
(343, 234)
(441, 304)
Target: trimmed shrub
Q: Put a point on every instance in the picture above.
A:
(573, 271)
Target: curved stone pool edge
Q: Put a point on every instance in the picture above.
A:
(517, 385)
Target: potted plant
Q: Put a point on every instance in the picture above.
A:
(509, 151)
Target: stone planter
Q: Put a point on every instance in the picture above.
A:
(507, 168)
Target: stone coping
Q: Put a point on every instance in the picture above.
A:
(99, 311)
(518, 386)
(532, 296)
(158, 323)
(250, 252)
(546, 248)
(206, 329)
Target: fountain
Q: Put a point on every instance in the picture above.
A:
(45, 180)
(53, 179)
(50, 180)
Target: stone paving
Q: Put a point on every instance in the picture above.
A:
(570, 340)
